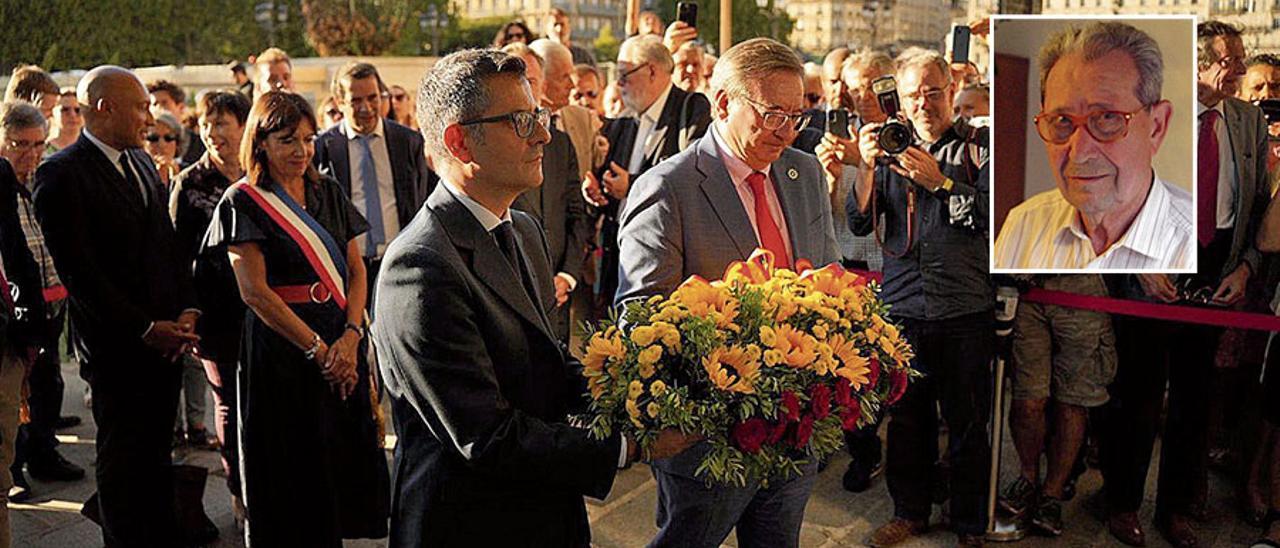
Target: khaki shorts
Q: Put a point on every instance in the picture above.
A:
(1066, 353)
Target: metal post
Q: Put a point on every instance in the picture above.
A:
(726, 25)
(997, 530)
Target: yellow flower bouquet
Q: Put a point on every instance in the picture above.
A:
(768, 365)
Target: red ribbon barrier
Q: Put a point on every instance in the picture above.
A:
(1156, 311)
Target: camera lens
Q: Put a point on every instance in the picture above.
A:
(894, 137)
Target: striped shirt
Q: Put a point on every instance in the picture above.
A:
(1046, 233)
(35, 239)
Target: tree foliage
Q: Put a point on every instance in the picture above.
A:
(606, 45)
(749, 20)
(72, 34)
(354, 27)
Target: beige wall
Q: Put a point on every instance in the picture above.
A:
(1174, 162)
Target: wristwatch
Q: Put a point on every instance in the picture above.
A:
(947, 185)
(360, 332)
(311, 352)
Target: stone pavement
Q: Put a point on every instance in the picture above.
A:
(833, 518)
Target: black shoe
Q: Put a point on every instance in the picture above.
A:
(1017, 498)
(1047, 518)
(21, 490)
(53, 467)
(69, 421)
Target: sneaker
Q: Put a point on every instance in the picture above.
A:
(1017, 498)
(21, 490)
(1047, 518)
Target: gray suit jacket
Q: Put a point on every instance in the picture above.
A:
(1247, 131)
(480, 391)
(558, 205)
(683, 217)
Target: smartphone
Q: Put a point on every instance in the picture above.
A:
(838, 122)
(960, 44)
(687, 12)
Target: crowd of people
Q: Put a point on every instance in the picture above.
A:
(433, 247)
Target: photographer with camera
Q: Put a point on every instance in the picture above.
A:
(928, 177)
(1261, 86)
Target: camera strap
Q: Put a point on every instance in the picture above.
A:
(875, 219)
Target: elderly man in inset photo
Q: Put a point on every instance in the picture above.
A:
(1102, 120)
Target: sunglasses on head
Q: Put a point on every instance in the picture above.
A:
(153, 138)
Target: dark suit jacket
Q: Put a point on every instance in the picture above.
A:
(27, 326)
(118, 258)
(480, 390)
(1247, 132)
(559, 207)
(411, 178)
(621, 132)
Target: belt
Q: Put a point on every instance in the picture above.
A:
(315, 293)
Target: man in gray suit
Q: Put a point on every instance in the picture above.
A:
(480, 388)
(739, 189)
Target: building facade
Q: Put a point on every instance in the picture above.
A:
(586, 16)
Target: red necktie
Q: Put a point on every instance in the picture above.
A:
(770, 236)
(1207, 178)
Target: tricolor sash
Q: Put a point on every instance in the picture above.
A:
(318, 246)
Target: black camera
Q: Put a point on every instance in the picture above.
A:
(1270, 109)
(895, 135)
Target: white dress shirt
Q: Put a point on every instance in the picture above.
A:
(738, 172)
(646, 137)
(113, 156)
(1046, 233)
(490, 221)
(386, 183)
(1227, 184)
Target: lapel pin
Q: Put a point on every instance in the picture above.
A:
(791, 172)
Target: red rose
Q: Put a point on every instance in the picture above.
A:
(820, 401)
(850, 414)
(803, 431)
(775, 435)
(750, 434)
(844, 392)
(790, 406)
(874, 376)
(897, 385)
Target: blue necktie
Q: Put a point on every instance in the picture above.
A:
(372, 199)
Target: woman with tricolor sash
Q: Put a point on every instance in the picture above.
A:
(311, 465)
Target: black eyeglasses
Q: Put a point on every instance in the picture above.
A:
(333, 113)
(153, 138)
(623, 77)
(776, 119)
(398, 96)
(590, 93)
(522, 121)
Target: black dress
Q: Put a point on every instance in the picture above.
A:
(311, 466)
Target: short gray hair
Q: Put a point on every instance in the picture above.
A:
(739, 70)
(522, 50)
(547, 49)
(648, 48)
(920, 57)
(1101, 38)
(17, 115)
(1206, 32)
(457, 88)
(869, 58)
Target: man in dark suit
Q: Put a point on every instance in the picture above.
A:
(480, 388)
(738, 189)
(103, 213)
(661, 121)
(379, 162)
(557, 204)
(23, 328)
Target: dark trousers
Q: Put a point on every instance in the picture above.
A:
(955, 355)
(222, 378)
(36, 439)
(371, 266)
(1151, 354)
(134, 405)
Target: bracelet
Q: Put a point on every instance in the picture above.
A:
(359, 330)
(310, 353)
